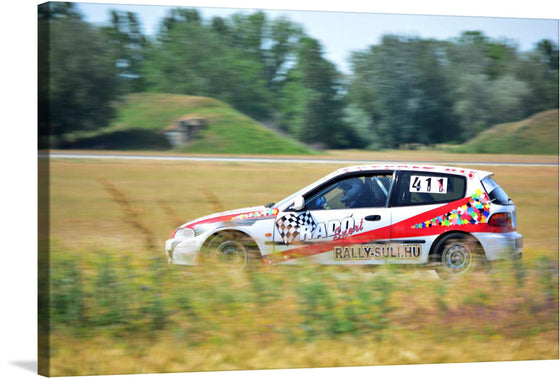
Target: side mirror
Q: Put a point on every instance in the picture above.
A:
(299, 203)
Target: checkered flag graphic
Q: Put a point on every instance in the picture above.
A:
(289, 225)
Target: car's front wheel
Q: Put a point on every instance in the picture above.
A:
(231, 249)
(457, 254)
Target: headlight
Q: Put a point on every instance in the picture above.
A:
(184, 233)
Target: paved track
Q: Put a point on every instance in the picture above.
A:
(272, 160)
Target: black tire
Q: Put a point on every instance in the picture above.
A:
(230, 249)
(458, 254)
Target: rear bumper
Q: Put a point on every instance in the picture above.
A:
(501, 245)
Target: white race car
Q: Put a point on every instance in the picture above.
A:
(452, 219)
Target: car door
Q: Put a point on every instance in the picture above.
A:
(367, 241)
(346, 211)
(424, 206)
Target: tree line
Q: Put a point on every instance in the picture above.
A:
(404, 90)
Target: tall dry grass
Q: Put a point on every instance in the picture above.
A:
(237, 314)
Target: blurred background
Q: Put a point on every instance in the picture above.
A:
(257, 81)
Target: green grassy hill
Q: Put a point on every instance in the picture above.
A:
(142, 117)
(537, 134)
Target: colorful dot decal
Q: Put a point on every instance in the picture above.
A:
(475, 211)
(257, 214)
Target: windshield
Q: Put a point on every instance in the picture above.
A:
(282, 203)
(495, 192)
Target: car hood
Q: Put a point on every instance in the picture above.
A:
(236, 215)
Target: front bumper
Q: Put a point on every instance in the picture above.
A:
(182, 251)
(501, 245)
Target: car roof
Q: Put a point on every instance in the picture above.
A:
(419, 167)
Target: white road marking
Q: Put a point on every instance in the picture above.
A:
(272, 160)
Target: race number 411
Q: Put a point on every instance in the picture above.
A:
(428, 184)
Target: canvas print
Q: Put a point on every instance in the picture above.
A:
(250, 189)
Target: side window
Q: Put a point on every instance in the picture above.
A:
(364, 191)
(495, 192)
(419, 188)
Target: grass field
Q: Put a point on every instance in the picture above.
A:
(117, 308)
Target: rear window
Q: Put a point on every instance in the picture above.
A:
(495, 192)
(420, 188)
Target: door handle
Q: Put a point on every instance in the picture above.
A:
(373, 218)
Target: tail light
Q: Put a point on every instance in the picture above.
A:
(502, 220)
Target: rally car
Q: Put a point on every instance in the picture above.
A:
(452, 219)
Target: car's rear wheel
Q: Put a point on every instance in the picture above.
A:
(230, 249)
(458, 254)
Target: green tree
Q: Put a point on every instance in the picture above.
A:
(271, 43)
(292, 102)
(507, 94)
(77, 78)
(473, 53)
(472, 104)
(58, 10)
(248, 33)
(402, 86)
(189, 58)
(281, 54)
(539, 70)
(178, 16)
(315, 101)
(220, 27)
(435, 119)
(129, 45)
(484, 75)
